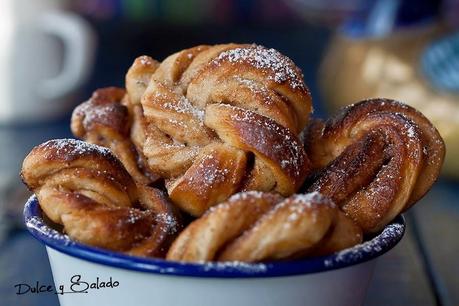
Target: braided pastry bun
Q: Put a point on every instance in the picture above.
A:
(87, 190)
(374, 159)
(215, 120)
(256, 226)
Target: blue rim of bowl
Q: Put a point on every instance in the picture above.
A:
(368, 250)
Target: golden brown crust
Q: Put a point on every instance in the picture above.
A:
(212, 178)
(272, 144)
(85, 188)
(377, 158)
(192, 102)
(256, 226)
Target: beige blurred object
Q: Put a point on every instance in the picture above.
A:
(356, 69)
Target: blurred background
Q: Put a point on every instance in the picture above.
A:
(55, 53)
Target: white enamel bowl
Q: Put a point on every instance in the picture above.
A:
(337, 280)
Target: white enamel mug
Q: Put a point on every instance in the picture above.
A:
(94, 277)
(46, 54)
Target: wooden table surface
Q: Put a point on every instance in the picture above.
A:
(421, 270)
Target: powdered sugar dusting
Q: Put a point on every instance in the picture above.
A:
(184, 106)
(256, 88)
(298, 204)
(246, 195)
(314, 197)
(375, 245)
(272, 135)
(211, 170)
(146, 60)
(100, 113)
(413, 140)
(112, 115)
(134, 215)
(68, 146)
(170, 222)
(281, 68)
(234, 266)
(411, 132)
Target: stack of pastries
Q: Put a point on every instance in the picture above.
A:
(211, 155)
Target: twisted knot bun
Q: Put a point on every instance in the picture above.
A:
(375, 159)
(214, 120)
(256, 226)
(87, 190)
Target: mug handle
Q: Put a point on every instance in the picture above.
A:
(79, 43)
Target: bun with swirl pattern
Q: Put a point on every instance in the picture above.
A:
(255, 226)
(86, 189)
(374, 159)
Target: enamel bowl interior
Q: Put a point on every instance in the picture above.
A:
(371, 248)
